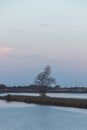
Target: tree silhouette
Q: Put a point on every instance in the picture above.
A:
(44, 80)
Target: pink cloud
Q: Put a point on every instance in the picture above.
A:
(4, 51)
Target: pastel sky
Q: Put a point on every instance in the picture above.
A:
(35, 33)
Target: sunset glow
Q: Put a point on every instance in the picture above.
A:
(4, 51)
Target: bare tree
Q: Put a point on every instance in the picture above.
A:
(44, 80)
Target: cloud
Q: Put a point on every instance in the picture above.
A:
(4, 51)
(45, 25)
(32, 57)
(24, 56)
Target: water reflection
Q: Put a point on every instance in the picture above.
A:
(12, 104)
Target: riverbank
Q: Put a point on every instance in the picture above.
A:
(54, 101)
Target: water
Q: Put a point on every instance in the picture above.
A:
(62, 95)
(21, 116)
(69, 95)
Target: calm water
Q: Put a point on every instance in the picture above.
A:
(66, 95)
(20, 116)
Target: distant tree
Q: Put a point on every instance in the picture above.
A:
(44, 80)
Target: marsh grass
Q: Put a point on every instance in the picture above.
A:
(45, 100)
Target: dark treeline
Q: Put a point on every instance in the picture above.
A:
(36, 89)
(26, 89)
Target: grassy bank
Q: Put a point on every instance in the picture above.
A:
(66, 102)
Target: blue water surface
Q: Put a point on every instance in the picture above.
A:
(20, 116)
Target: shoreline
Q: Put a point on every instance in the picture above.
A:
(50, 101)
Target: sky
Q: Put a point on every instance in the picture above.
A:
(36, 33)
